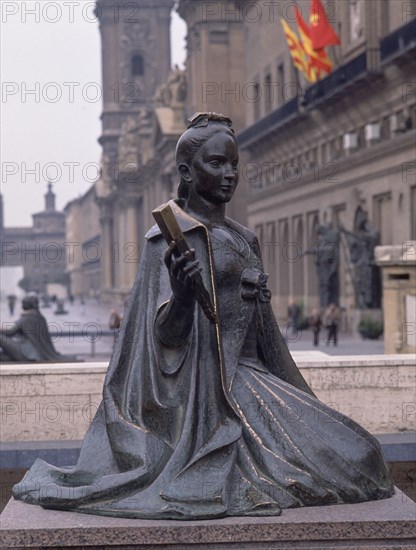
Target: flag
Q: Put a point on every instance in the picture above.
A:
(319, 61)
(321, 32)
(296, 50)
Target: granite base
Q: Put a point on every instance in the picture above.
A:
(383, 525)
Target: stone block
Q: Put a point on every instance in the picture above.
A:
(26, 385)
(73, 383)
(52, 417)
(383, 525)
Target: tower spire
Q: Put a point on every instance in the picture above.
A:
(50, 199)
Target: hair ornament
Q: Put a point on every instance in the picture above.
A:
(201, 120)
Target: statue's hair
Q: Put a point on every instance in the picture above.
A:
(201, 127)
(200, 120)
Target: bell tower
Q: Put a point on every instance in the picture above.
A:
(135, 45)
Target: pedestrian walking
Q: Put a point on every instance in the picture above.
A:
(315, 322)
(293, 314)
(114, 322)
(331, 320)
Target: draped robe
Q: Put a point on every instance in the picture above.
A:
(223, 424)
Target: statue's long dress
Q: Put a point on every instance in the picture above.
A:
(225, 424)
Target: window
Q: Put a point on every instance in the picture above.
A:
(361, 137)
(256, 101)
(413, 213)
(333, 149)
(137, 65)
(283, 260)
(324, 153)
(268, 93)
(412, 115)
(356, 14)
(385, 128)
(299, 259)
(382, 208)
(218, 37)
(281, 82)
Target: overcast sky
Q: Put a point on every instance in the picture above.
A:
(52, 132)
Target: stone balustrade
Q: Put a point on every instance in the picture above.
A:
(57, 402)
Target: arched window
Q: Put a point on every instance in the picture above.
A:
(298, 265)
(137, 65)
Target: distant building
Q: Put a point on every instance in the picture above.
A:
(83, 245)
(324, 153)
(39, 249)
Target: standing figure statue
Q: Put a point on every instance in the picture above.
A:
(196, 418)
(361, 245)
(327, 262)
(27, 340)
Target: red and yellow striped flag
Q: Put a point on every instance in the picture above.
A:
(297, 51)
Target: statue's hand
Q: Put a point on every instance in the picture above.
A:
(181, 270)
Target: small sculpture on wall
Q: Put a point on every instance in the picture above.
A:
(327, 263)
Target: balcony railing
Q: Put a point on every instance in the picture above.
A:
(399, 42)
(271, 121)
(336, 82)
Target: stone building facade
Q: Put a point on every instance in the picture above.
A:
(323, 153)
(310, 154)
(83, 245)
(39, 249)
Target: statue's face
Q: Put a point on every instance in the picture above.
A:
(214, 169)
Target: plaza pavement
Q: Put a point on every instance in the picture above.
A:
(92, 317)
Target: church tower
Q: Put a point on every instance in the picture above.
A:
(135, 45)
(49, 199)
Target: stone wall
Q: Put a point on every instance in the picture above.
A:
(57, 402)
(49, 402)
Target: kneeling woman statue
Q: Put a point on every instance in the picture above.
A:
(203, 419)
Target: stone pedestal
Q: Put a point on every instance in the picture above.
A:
(398, 265)
(382, 525)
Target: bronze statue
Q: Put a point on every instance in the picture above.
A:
(27, 340)
(206, 415)
(327, 262)
(361, 246)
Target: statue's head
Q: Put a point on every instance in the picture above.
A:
(209, 141)
(30, 301)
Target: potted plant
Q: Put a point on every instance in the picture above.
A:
(370, 328)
